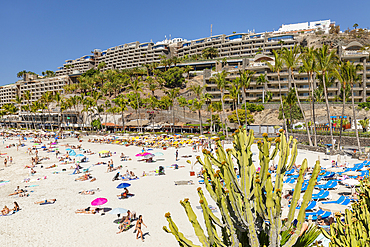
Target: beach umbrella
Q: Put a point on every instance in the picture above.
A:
(104, 152)
(68, 149)
(72, 153)
(80, 155)
(333, 207)
(99, 201)
(352, 173)
(158, 154)
(123, 185)
(118, 211)
(43, 147)
(351, 182)
(335, 169)
(149, 156)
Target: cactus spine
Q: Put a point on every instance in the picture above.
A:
(250, 207)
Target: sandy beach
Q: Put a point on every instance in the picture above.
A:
(58, 225)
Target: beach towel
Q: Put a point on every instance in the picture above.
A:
(10, 213)
(184, 182)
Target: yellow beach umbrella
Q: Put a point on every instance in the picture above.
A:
(104, 152)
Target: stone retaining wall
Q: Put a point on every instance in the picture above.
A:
(346, 140)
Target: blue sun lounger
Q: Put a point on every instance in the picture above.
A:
(340, 200)
(320, 212)
(321, 195)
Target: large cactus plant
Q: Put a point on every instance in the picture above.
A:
(250, 206)
(354, 231)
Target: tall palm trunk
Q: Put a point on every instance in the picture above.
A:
(327, 107)
(313, 111)
(138, 112)
(341, 120)
(237, 116)
(106, 119)
(282, 106)
(300, 106)
(211, 130)
(51, 124)
(244, 95)
(200, 120)
(173, 117)
(354, 119)
(123, 122)
(223, 112)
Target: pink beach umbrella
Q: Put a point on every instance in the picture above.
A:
(99, 201)
(142, 154)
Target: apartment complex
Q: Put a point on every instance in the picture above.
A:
(351, 52)
(37, 87)
(121, 57)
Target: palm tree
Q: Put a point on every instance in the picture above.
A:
(208, 97)
(182, 103)
(217, 107)
(27, 96)
(220, 80)
(121, 103)
(64, 105)
(48, 98)
(172, 95)
(244, 80)
(196, 105)
(291, 100)
(136, 86)
(276, 67)
(58, 99)
(152, 85)
(309, 66)
(355, 78)
(233, 94)
(187, 70)
(261, 79)
(342, 74)
(107, 105)
(325, 61)
(291, 59)
(96, 97)
(18, 100)
(26, 108)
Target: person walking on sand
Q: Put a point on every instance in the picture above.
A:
(139, 222)
(177, 154)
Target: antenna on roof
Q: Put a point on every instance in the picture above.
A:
(211, 30)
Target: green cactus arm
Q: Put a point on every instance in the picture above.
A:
(293, 155)
(194, 221)
(184, 242)
(213, 217)
(306, 199)
(296, 194)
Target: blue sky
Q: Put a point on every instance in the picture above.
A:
(41, 35)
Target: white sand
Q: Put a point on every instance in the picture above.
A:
(58, 225)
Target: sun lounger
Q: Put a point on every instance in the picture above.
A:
(338, 201)
(315, 215)
(184, 182)
(329, 185)
(320, 195)
(311, 205)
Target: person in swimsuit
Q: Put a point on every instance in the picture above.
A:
(125, 224)
(139, 222)
(5, 211)
(46, 201)
(16, 207)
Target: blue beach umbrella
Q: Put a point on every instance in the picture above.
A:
(72, 153)
(123, 185)
(158, 154)
(80, 155)
(43, 147)
(68, 149)
(118, 211)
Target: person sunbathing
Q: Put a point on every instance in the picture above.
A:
(83, 177)
(88, 210)
(87, 192)
(51, 166)
(46, 201)
(5, 211)
(123, 194)
(125, 224)
(16, 207)
(17, 192)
